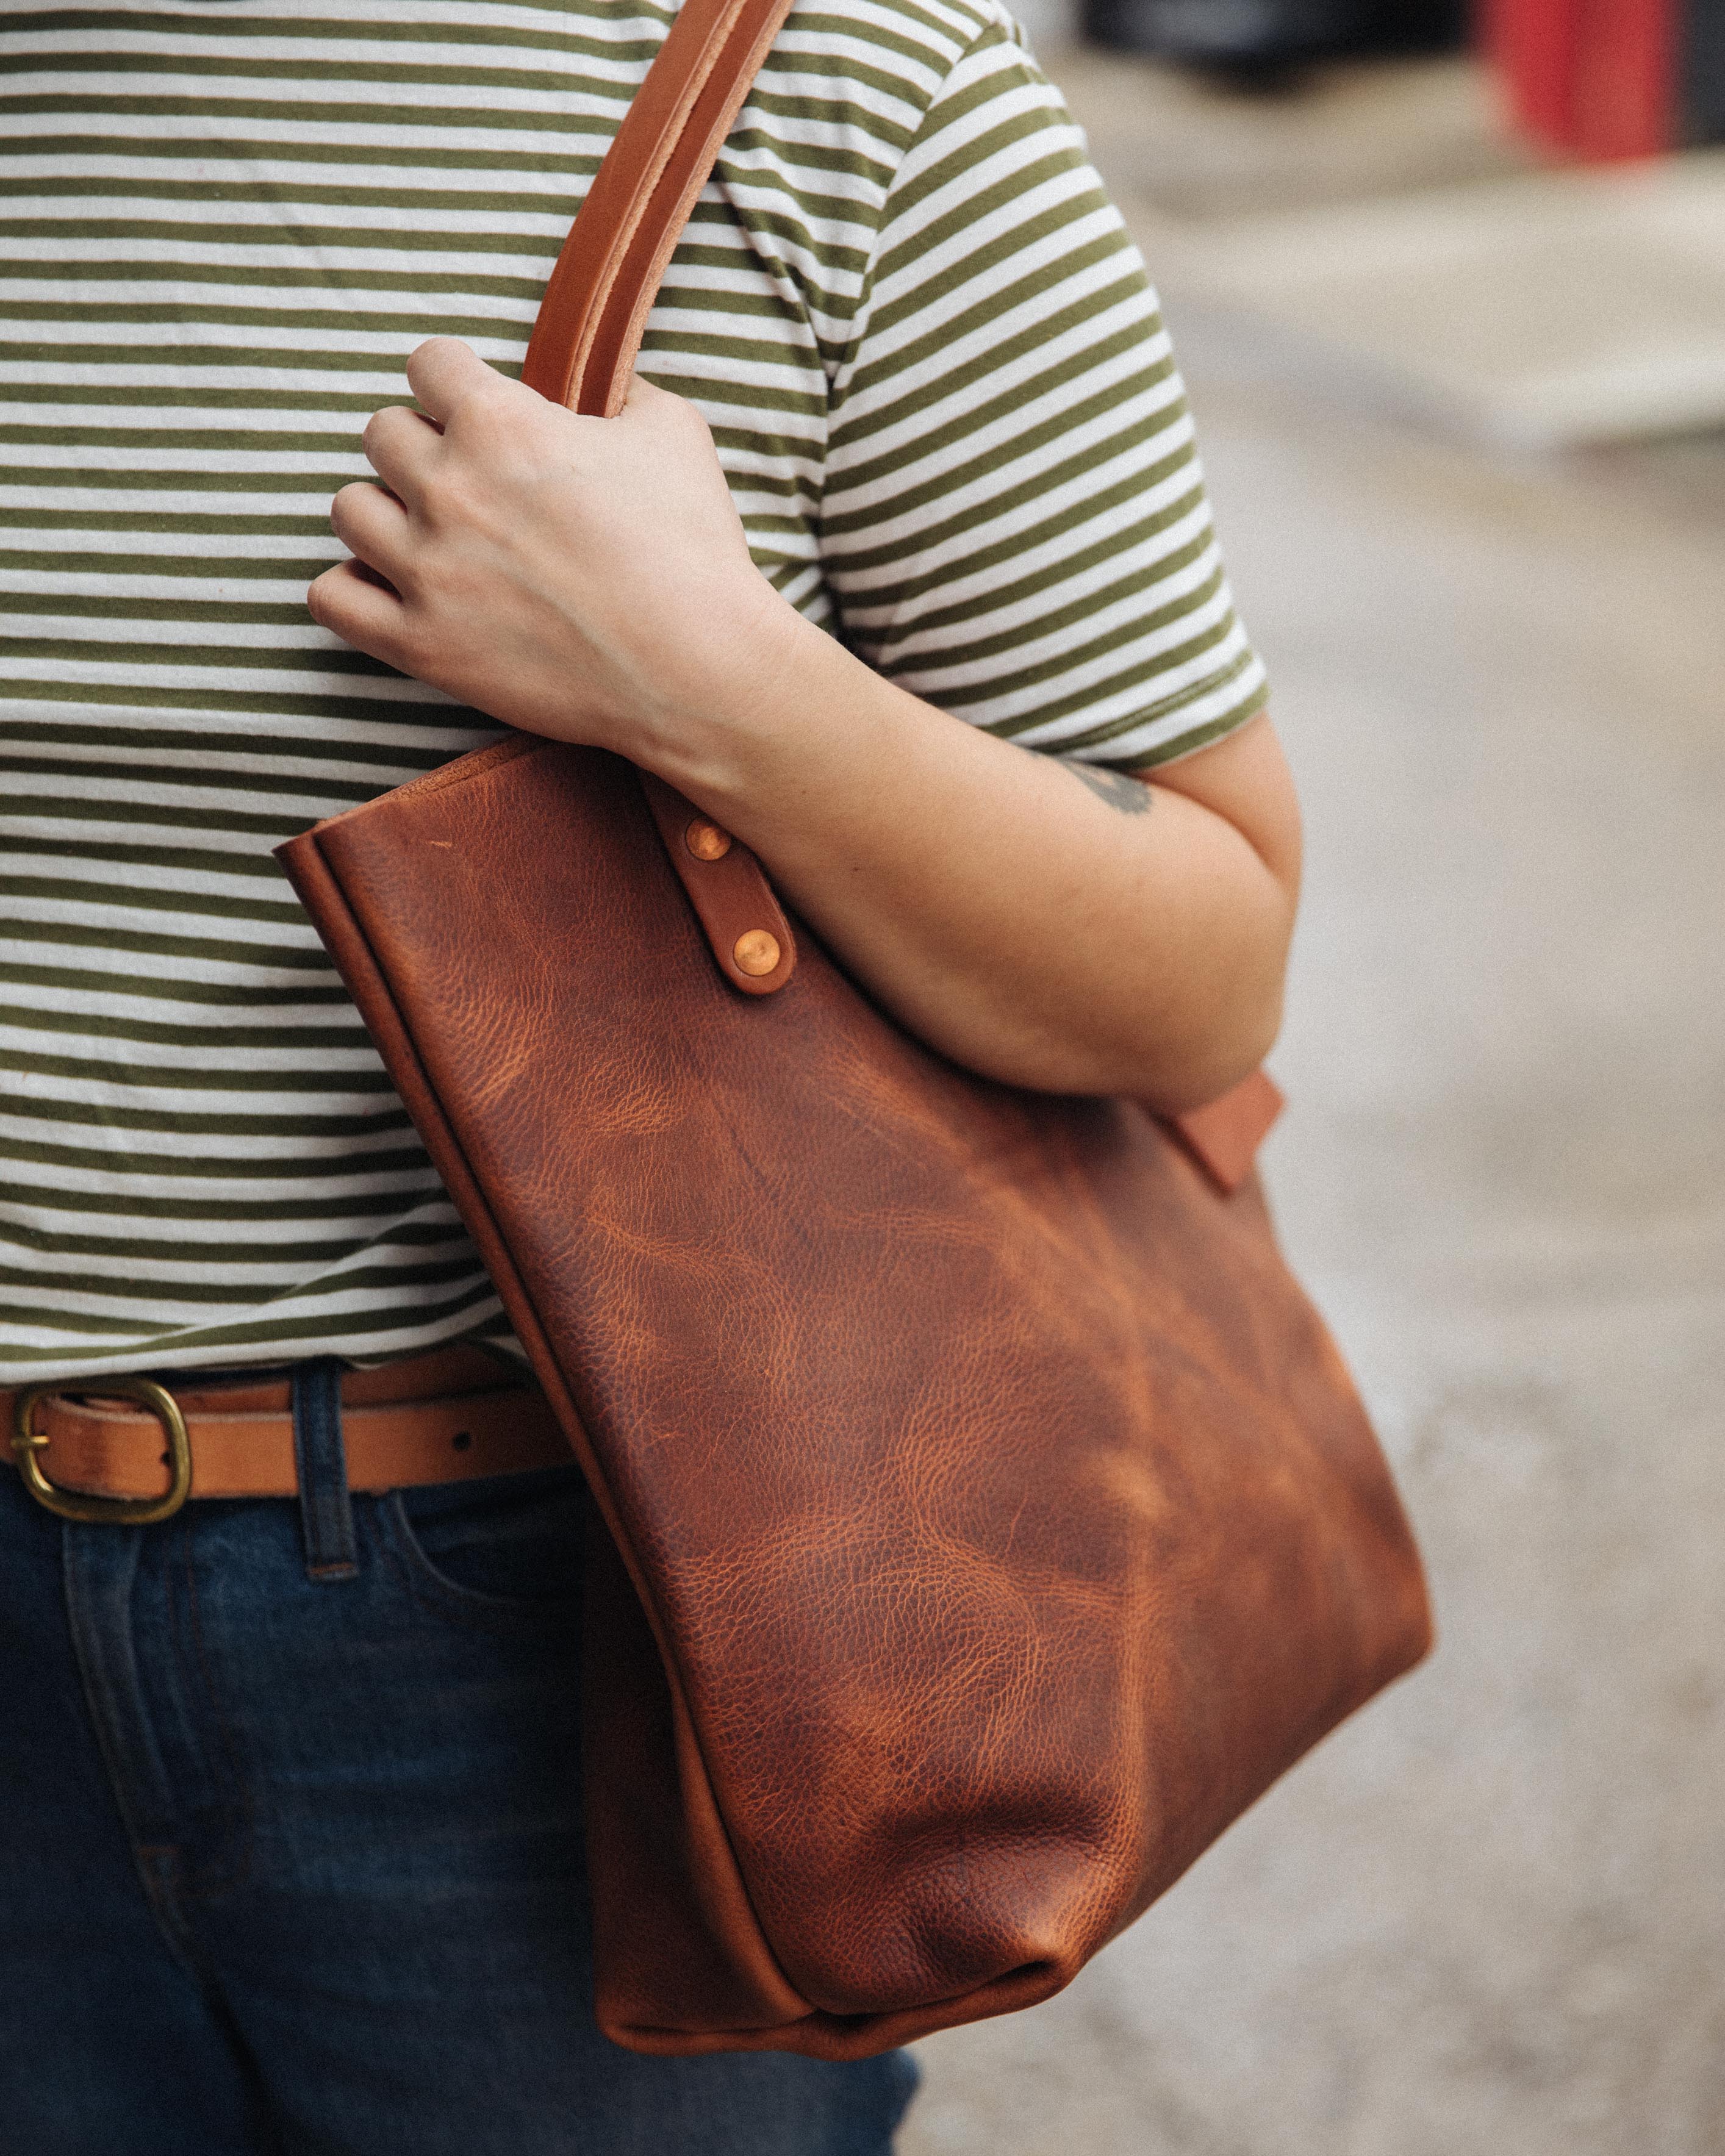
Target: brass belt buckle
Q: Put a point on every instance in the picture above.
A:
(109, 1511)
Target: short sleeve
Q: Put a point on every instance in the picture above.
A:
(1014, 522)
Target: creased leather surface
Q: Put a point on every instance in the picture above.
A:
(1000, 1518)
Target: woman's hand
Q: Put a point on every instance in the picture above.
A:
(589, 579)
(584, 578)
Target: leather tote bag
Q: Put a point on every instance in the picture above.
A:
(983, 1516)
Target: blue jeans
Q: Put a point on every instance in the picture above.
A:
(290, 1852)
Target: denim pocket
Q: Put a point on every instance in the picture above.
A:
(501, 1542)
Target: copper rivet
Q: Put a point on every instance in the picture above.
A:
(706, 841)
(756, 953)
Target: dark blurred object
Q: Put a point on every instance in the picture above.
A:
(1704, 72)
(1243, 35)
(1609, 79)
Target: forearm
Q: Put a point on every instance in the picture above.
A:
(1049, 925)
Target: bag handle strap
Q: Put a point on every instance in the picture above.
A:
(583, 353)
(608, 275)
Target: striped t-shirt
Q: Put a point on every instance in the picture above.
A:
(941, 392)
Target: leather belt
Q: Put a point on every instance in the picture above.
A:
(133, 1450)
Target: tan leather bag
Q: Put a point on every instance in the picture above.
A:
(987, 1518)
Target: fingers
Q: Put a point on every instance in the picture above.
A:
(445, 374)
(374, 525)
(399, 445)
(350, 604)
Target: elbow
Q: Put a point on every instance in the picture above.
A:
(1213, 1065)
(1193, 1054)
(1217, 1064)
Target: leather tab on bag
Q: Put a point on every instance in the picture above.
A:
(732, 900)
(1224, 1136)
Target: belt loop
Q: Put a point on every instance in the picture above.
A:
(325, 1507)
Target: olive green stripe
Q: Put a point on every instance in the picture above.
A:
(245, 659)
(1036, 487)
(996, 304)
(205, 1292)
(89, 808)
(808, 161)
(1113, 547)
(134, 106)
(79, 1325)
(411, 158)
(665, 337)
(372, 320)
(1170, 706)
(207, 397)
(303, 69)
(203, 523)
(779, 402)
(352, 321)
(563, 164)
(91, 981)
(839, 256)
(999, 298)
(297, 568)
(324, 30)
(361, 279)
(1023, 175)
(198, 235)
(277, 441)
(1062, 663)
(380, 710)
(51, 849)
(1058, 381)
(133, 740)
(711, 239)
(552, 116)
(563, 45)
(1029, 627)
(307, 194)
(416, 1319)
(375, 1205)
(1249, 706)
(190, 781)
(388, 1122)
(194, 950)
(175, 478)
(62, 1242)
(139, 358)
(68, 607)
(69, 890)
(788, 485)
(954, 109)
(1117, 685)
(347, 1036)
(1075, 517)
(296, 785)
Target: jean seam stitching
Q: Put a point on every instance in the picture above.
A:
(235, 1785)
(149, 1859)
(423, 1584)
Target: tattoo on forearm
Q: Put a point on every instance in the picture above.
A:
(1130, 796)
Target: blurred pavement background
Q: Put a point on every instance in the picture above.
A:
(1490, 1914)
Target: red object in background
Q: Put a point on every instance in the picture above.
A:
(1596, 79)
(1532, 44)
